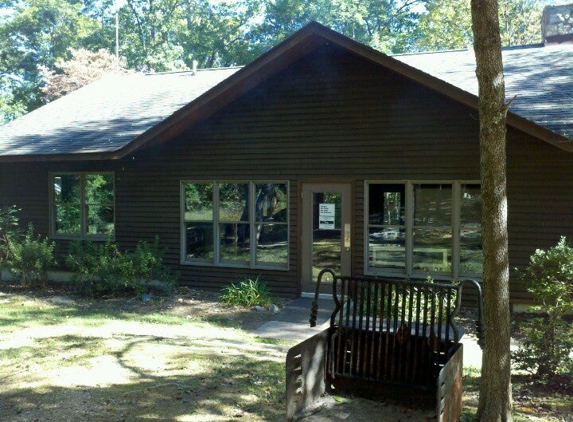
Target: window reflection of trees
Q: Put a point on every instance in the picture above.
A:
(238, 226)
(84, 204)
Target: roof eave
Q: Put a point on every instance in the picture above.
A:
(44, 158)
(540, 132)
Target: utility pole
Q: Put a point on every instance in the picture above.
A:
(117, 42)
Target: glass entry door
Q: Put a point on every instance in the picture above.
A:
(326, 231)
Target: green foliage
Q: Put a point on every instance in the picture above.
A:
(38, 33)
(548, 345)
(99, 267)
(10, 107)
(446, 24)
(8, 232)
(147, 265)
(167, 35)
(385, 25)
(249, 292)
(30, 258)
(102, 269)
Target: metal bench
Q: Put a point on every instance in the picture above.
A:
(386, 337)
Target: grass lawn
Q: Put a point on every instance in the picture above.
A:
(183, 358)
(74, 360)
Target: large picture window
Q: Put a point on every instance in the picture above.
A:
(424, 228)
(83, 205)
(241, 224)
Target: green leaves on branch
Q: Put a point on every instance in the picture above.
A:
(26, 256)
(446, 24)
(548, 346)
(31, 258)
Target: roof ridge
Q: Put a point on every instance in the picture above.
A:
(184, 72)
(469, 49)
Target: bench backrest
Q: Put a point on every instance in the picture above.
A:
(393, 330)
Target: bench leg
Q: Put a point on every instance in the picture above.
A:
(449, 394)
(305, 374)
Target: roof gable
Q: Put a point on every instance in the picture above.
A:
(118, 115)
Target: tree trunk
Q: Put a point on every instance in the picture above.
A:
(495, 389)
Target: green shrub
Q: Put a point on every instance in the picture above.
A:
(99, 268)
(147, 265)
(548, 343)
(102, 269)
(30, 258)
(249, 292)
(8, 232)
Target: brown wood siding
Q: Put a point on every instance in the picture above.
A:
(26, 186)
(540, 201)
(149, 205)
(330, 117)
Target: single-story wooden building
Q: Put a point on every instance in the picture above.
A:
(322, 152)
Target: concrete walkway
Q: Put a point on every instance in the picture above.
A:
(292, 324)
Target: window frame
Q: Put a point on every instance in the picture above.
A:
(409, 271)
(217, 261)
(83, 234)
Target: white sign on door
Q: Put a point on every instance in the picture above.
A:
(326, 216)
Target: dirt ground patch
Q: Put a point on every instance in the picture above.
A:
(198, 305)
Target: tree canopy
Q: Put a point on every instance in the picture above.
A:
(169, 35)
(83, 68)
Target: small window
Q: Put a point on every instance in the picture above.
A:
(432, 240)
(199, 221)
(83, 205)
(241, 224)
(387, 226)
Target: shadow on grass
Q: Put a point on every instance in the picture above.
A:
(471, 385)
(141, 377)
(70, 359)
(212, 395)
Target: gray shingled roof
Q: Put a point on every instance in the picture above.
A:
(539, 79)
(105, 115)
(123, 112)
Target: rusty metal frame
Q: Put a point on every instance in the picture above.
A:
(387, 332)
(449, 388)
(306, 374)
